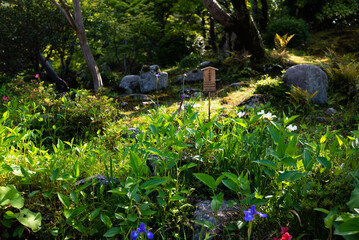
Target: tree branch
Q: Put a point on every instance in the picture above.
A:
(218, 13)
(65, 10)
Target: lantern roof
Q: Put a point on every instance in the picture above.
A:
(209, 67)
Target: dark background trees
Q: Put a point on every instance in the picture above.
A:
(123, 35)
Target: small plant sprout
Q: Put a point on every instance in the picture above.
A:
(241, 114)
(141, 229)
(249, 217)
(291, 128)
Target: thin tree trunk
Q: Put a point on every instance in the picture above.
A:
(90, 60)
(212, 35)
(77, 23)
(264, 19)
(51, 73)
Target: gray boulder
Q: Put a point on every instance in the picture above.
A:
(204, 212)
(130, 83)
(148, 80)
(97, 181)
(194, 76)
(310, 78)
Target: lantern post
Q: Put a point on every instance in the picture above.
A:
(209, 84)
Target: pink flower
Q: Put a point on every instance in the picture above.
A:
(5, 99)
(283, 230)
(286, 236)
(37, 76)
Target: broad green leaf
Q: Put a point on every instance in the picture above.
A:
(94, 214)
(354, 199)
(340, 141)
(187, 166)
(217, 201)
(307, 160)
(55, 174)
(154, 182)
(10, 195)
(5, 168)
(290, 175)
(112, 232)
(289, 161)
(30, 219)
(231, 185)
(204, 223)
(218, 181)
(324, 162)
(73, 213)
(153, 130)
(206, 179)
(349, 227)
(269, 172)
(266, 163)
(106, 220)
(132, 217)
(64, 200)
(156, 152)
(136, 163)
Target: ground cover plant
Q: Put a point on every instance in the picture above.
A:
(259, 159)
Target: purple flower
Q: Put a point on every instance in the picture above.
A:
(157, 75)
(249, 215)
(141, 229)
(184, 96)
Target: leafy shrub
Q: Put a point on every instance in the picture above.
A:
(274, 87)
(288, 26)
(110, 78)
(343, 76)
(191, 61)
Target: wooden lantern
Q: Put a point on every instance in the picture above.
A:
(209, 79)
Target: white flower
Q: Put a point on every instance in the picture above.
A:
(261, 112)
(292, 128)
(269, 116)
(241, 114)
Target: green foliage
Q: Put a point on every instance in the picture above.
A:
(288, 26)
(301, 98)
(9, 196)
(191, 61)
(281, 43)
(343, 76)
(324, 13)
(273, 87)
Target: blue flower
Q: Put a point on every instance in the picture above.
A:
(184, 96)
(141, 229)
(249, 215)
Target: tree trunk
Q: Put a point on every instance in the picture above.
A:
(90, 60)
(240, 26)
(264, 19)
(254, 9)
(212, 35)
(77, 23)
(51, 73)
